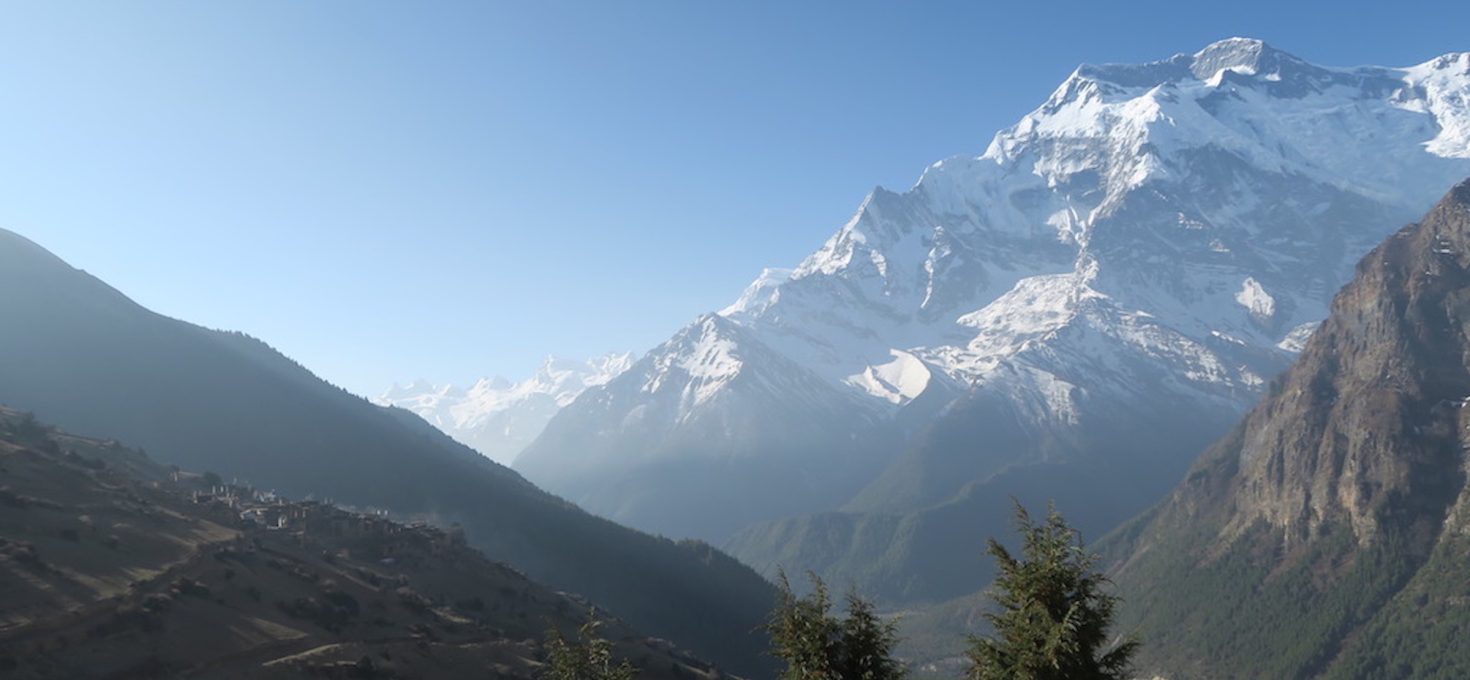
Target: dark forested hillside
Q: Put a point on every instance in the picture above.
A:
(80, 354)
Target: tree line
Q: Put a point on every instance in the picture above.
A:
(1050, 622)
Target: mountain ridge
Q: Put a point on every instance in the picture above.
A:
(78, 353)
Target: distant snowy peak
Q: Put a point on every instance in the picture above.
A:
(708, 387)
(713, 357)
(418, 389)
(699, 360)
(498, 417)
(564, 379)
(759, 294)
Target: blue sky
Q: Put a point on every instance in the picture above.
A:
(391, 190)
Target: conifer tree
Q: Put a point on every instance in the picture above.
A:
(588, 657)
(1053, 616)
(816, 645)
(867, 643)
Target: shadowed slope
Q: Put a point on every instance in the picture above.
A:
(80, 354)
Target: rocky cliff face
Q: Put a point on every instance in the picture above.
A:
(1367, 426)
(1326, 528)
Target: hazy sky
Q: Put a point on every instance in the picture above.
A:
(386, 191)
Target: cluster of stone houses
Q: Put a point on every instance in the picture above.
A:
(256, 509)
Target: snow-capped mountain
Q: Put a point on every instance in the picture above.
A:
(499, 418)
(1154, 239)
(695, 425)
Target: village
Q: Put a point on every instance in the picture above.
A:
(256, 511)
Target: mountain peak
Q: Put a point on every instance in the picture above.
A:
(1459, 195)
(491, 382)
(759, 294)
(709, 322)
(1246, 56)
(1452, 60)
(1240, 54)
(552, 364)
